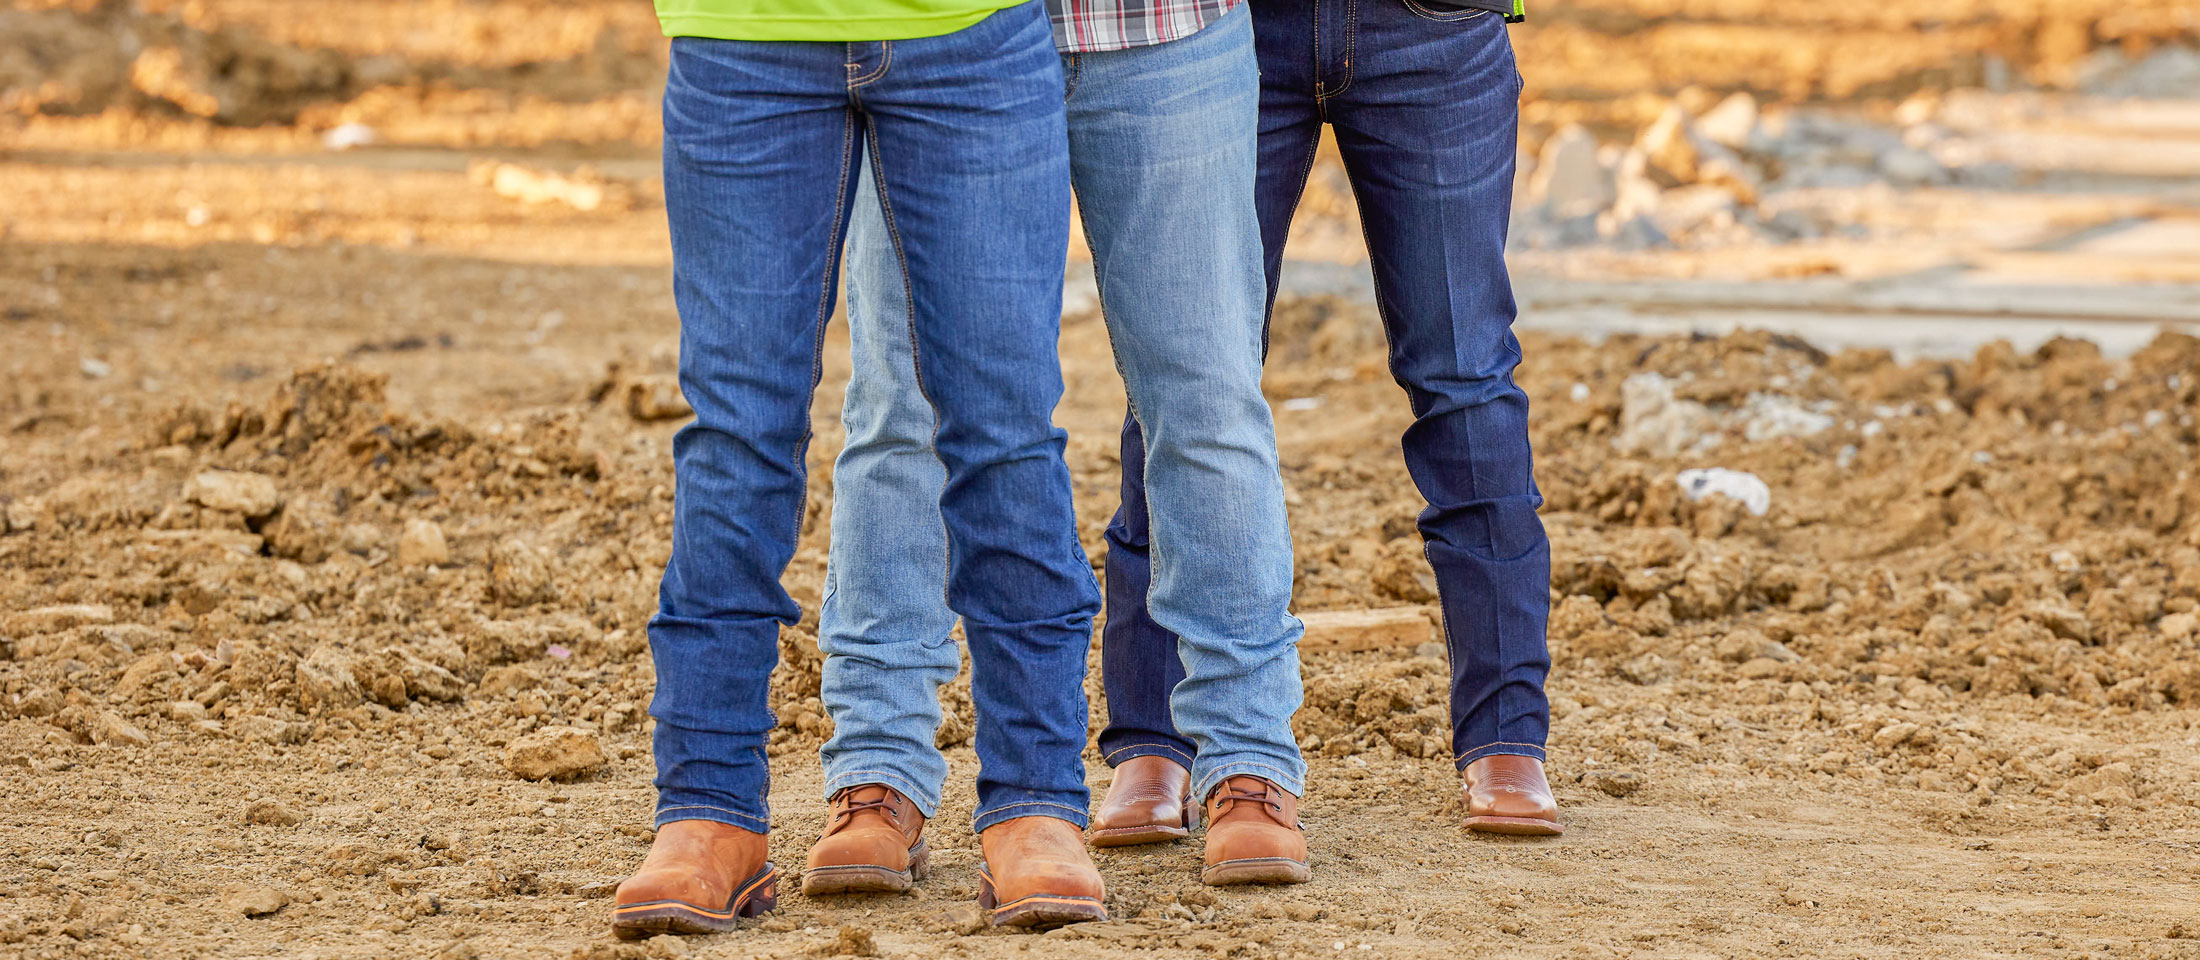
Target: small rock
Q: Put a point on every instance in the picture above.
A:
(112, 730)
(1614, 783)
(23, 515)
(1731, 122)
(518, 574)
(655, 397)
(40, 702)
(271, 730)
(2180, 626)
(328, 680)
(597, 889)
(555, 753)
(1743, 487)
(272, 812)
(255, 901)
(237, 491)
(1762, 668)
(186, 711)
(422, 545)
(850, 941)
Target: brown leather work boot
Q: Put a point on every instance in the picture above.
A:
(1149, 801)
(874, 843)
(1253, 835)
(1037, 874)
(1508, 795)
(700, 877)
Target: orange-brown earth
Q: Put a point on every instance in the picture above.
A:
(328, 480)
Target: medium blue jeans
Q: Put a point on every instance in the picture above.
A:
(965, 136)
(1426, 107)
(1162, 143)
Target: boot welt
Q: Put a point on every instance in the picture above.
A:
(1516, 826)
(867, 877)
(1133, 836)
(1256, 870)
(757, 895)
(1147, 832)
(1038, 910)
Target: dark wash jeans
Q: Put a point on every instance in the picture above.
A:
(967, 139)
(1425, 104)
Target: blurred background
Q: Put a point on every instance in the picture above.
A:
(336, 397)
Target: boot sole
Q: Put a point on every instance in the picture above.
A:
(758, 895)
(1037, 911)
(1133, 836)
(1516, 826)
(1148, 832)
(1266, 870)
(867, 877)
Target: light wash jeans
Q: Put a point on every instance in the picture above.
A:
(965, 133)
(1162, 156)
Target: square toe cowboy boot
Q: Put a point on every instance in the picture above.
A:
(1149, 801)
(701, 876)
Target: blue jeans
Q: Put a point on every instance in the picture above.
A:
(1426, 108)
(965, 135)
(1162, 143)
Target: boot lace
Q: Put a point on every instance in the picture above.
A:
(851, 806)
(1231, 794)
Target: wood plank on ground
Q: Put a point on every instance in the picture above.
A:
(1386, 628)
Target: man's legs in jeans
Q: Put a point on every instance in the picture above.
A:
(761, 144)
(1426, 114)
(1161, 151)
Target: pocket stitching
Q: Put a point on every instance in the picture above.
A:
(1428, 14)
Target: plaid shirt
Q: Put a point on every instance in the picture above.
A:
(1090, 26)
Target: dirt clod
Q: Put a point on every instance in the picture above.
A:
(557, 753)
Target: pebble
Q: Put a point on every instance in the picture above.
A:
(256, 901)
(112, 730)
(272, 812)
(236, 491)
(555, 753)
(422, 545)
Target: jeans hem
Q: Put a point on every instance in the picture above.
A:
(1293, 784)
(1499, 749)
(1029, 808)
(1115, 758)
(928, 803)
(694, 811)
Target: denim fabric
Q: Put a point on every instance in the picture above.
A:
(965, 133)
(1425, 105)
(1162, 143)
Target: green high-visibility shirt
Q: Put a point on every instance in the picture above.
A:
(833, 20)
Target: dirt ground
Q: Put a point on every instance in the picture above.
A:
(333, 481)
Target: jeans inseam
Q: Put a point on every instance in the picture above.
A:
(909, 310)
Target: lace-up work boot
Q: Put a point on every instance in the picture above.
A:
(1509, 795)
(873, 843)
(1149, 801)
(1253, 835)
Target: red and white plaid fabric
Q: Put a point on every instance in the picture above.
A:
(1090, 26)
